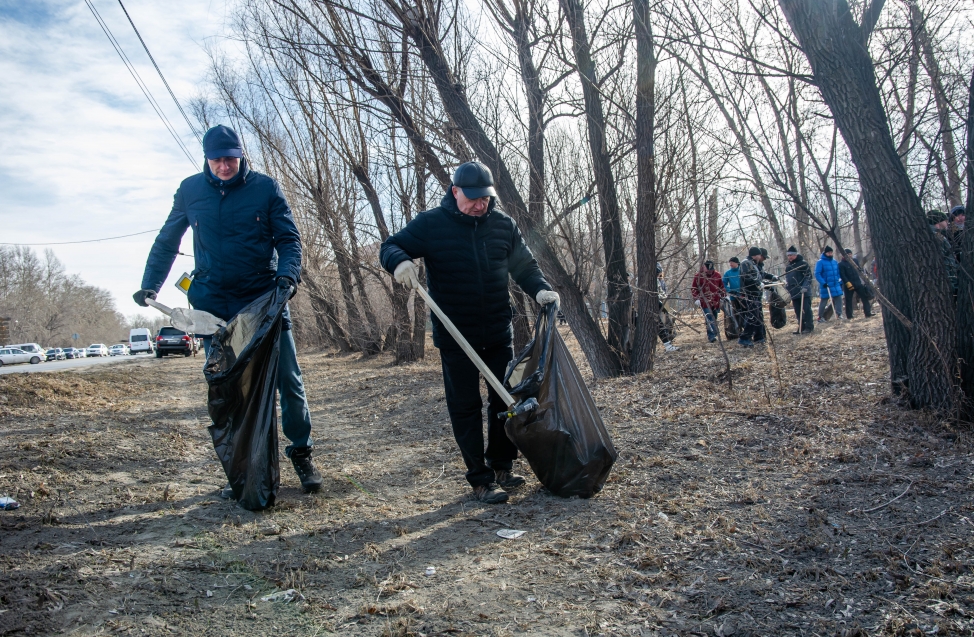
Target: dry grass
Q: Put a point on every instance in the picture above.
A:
(802, 502)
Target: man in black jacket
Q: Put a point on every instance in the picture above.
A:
(471, 249)
(852, 282)
(751, 276)
(798, 279)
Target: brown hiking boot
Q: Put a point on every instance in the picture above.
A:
(490, 493)
(508, 480)
(306, 470)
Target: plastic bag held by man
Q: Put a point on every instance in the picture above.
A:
(241, 371)
(564, 439)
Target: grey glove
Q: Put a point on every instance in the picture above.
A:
(407, 275)
(286, 282)
(142, 295)
(545, 297)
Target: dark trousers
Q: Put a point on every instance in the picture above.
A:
(850, 301)
(461, 380)
(753, 319)
(803, 311)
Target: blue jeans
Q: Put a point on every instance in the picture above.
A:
(710, 314)
(295, 415)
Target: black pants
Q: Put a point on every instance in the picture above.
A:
(803, 311)
(461, 380)
(850, 301)
(753, 320)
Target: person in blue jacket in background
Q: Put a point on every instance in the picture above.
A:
(245, 244)
(829, 284)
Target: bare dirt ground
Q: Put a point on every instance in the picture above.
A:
(800, 502)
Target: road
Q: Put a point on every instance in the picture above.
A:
(60, 366)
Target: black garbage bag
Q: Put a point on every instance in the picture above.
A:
(564, 439)
(241, 371)
(776, 307)
(732, 321)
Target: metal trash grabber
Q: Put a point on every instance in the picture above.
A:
(513, 408)
(189, 320)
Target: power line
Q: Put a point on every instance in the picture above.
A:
(64, 243)
(138, 80)
(161, 77)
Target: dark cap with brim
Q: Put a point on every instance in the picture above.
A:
(221, 141)
(475, 180)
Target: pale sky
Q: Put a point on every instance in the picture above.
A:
(82, 153)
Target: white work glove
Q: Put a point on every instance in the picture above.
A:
(407, 275)
(697, 302)
(547, 296)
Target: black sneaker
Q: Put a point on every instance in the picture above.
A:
(490, 493)
(305, 468)
(508, 480)
(226, 493)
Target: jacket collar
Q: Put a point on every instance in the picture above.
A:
(449, 203)
(239, 178)
(826, 257)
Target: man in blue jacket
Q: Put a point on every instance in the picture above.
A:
(472, 250)
(829, 284)
(245, 243)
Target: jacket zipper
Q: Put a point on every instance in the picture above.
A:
(480, 276)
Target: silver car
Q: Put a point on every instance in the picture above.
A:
(12, 356)
(98, 349)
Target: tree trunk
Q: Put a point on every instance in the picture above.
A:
(943, 107)
(646, 325)
(521, 321)
(965, 279)
(618, 293)
(603, 360)
(917, 286)
(419, 319)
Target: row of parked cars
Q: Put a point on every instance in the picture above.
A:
(168, 341)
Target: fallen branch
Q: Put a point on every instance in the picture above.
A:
(877, 508)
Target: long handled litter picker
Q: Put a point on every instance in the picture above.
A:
(189, 320)
(513, 408)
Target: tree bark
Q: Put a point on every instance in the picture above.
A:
(646, 325)
(917, 286)
(965, 279)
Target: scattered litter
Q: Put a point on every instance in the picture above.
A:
(510, 534)
(248, 587)
(209, 593)
(283, 596)
(532, 599)
(430, 571)
(8, 503)
(662, 516)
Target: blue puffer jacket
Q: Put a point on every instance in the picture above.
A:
(827, 275)
(469, 261)
(244, 237)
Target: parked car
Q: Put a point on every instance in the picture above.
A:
(140, 340)
(173, 341)
(13, 355)
(118, 350)
(97, 349)
(80, 353)
(30, 348)
(55, 354)
(72, 352)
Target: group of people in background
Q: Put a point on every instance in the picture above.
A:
(740, 291)
(947, 232)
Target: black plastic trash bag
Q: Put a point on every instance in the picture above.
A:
(241, 371)
(732, 322)
(564, 439)
(776, 307)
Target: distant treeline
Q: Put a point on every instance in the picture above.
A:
(46, 305)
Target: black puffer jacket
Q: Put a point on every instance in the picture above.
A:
(468, 262)
(798, 277)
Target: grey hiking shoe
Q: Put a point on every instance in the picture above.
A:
(226, 493)
(508, 480)
(490, 493)
(306, 470)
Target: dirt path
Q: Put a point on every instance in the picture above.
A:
(799, 503)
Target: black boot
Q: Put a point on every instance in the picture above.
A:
(305, 468)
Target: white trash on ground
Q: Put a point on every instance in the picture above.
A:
(510, 534)
(283, 596)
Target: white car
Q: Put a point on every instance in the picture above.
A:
(97, 350)
(118, 350)
(12, 356)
